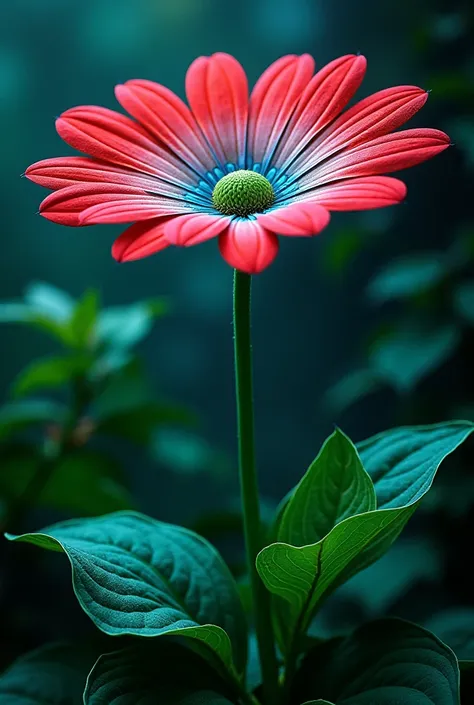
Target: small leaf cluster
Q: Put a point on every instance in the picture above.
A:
(91, 394)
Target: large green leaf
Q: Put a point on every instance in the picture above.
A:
(148, 675)
(84, 482)
(388, 662)
(304, 576)
(402, 462)
(335, 487)
(456, 628)
(135, 575)
(53, 675)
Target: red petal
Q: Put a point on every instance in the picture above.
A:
(195, 228)
(377, 115)
(360, 194)
(399, 150)
(60, 172)
(140, 240)
(304, 219)
(272, 102)
(166, 116)
(326, 95)
(114, 138)
(66, 205)
(247, 246)
(132, 208)
(217, 91)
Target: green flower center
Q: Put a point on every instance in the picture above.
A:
(242, 193)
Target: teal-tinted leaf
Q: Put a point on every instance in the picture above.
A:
(125, 326)
(49, 301)
(83, 482)
(304, 576)
(14, 312)
(456, 628)
(385, 662)
(464, 301)
(83, 319)
(135, 575)
(335, 487)
(18, 415)
(402, 462)
(318, 702)
(354, 386)
(409, 354)
(49, 372)
(150, 674)
(407, 277)
(53, 675)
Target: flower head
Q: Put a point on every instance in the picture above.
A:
(229, 166)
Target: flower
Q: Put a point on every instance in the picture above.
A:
(229, 166)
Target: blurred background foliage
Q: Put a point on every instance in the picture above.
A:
(129, 367)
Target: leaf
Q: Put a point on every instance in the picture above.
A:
(49, 301)
(318, 702)
(18, 415)
(125, 326)
(351, 388)
(385, 662)
(305, 576)
(14, 312)
(402, 462)
(83, 319)
(407, 355)
(464, 301)
(335, 487)
(49, 372)
(17, 312)
(82, 482)
(455, 627)
(149, 675)
(52, 675)
(134, 575)
(408, 276)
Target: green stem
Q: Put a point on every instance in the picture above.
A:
(249, 486)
